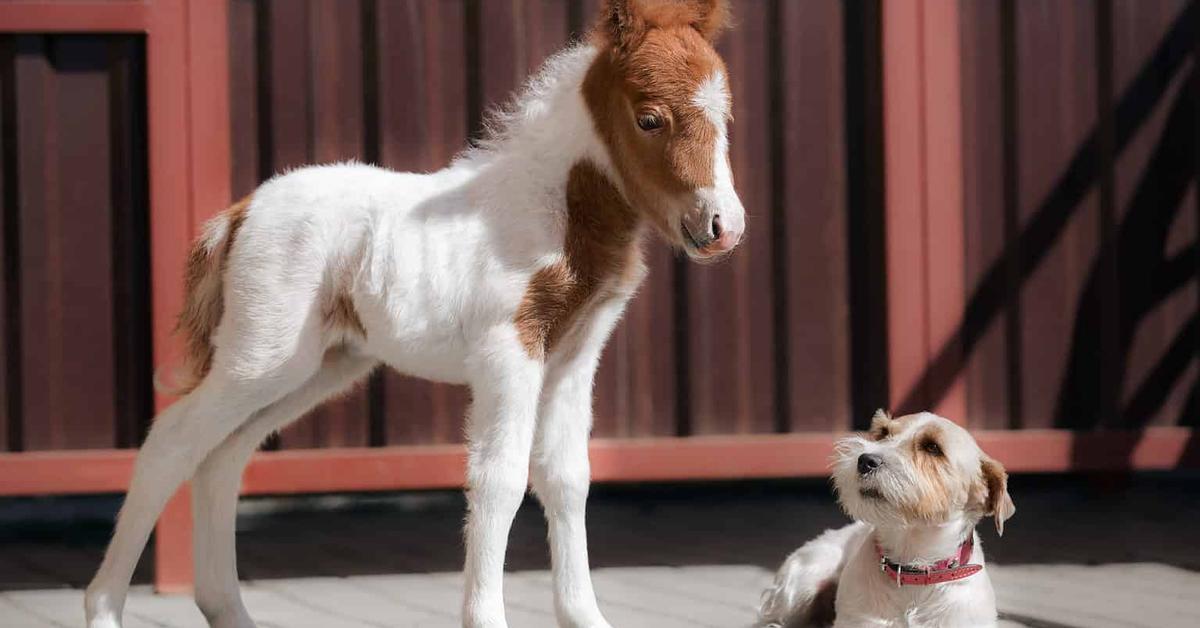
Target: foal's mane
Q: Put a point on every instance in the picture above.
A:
(526, 112)
(560, 77)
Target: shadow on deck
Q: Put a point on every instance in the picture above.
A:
(48, 543)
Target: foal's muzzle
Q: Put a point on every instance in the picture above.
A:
(714, 227)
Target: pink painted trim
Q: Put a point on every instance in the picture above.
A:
(208, 115)
(167, 83)
(187, 61)
(173, 557)
(73, 17)
(618, 460)
(170, 173)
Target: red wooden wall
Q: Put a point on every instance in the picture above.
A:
(1080, 123)
(1077, 158)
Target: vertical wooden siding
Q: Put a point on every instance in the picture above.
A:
(758, 344)
(1080, 161)
(417, 111)
(76, 365)
(1156, 207)
(1080, 213)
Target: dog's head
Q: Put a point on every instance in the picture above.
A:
(919, 469)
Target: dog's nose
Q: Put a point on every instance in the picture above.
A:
(868, 463)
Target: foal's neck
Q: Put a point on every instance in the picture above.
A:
(533, 144)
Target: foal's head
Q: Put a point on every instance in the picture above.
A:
(659, 96)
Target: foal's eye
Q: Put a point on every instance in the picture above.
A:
(649, 122)
(932, 448)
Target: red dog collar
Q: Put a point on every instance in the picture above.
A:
(948, 570)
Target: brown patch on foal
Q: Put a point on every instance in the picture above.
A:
(203, 301)
(601, 253)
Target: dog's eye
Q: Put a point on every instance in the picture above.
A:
(649, 122)
(882, 434)
(931, 447)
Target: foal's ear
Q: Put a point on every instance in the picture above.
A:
(997, 504)
(624, 22)
(711, 17)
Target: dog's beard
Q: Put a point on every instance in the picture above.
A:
(877, 497)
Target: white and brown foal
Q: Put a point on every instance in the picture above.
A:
(505, 271)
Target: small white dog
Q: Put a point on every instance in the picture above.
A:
(916, 486)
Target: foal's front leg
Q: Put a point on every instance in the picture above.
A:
(505, 384)
(561, 477)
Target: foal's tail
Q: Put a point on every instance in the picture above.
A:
(204, 301)
(805, 588)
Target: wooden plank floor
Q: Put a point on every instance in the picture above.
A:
(1076, 555)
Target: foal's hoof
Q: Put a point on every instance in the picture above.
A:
(490, 622)
(100, 611)
(597, 622)
(233, 622)
(104, 620)
(237, 617)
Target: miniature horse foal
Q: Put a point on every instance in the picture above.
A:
(505, 271)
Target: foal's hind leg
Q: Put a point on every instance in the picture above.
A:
(178, 441)
(180, 437)
(215, 488)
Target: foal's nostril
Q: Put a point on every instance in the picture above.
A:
(717, 230)
(868, 463)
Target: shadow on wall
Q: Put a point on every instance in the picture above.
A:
(1133, 273)
(1150, 519)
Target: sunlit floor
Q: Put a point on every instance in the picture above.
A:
(1080, 552)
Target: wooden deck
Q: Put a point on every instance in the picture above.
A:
(669, 557)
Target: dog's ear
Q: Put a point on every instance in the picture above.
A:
(997, 504)
(880, 419)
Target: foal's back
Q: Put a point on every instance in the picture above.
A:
(417, 263)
